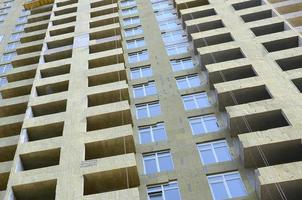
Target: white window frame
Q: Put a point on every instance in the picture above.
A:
(139, 42)
(140, 69)
(213, 146)
(127, 3)
(155, 156)
(147, 107)
(151, 128)
(129, 32)
(194, 97)
(144, 87)
(163, 188)
(182, 63)
(176, 48)
(187, 79)
(165, 25)
(224, 181)
(177, 36)
(129, 11)
(202, 119)
(137, 56)
(131, 21)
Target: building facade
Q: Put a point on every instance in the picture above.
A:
(151, 99)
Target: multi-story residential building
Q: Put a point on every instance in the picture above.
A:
(150, 99)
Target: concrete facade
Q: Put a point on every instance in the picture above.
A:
(70, 124)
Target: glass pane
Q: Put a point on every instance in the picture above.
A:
(151, 89)
(142, 112)
(194, 81)
(165, 163)
(172, 194)
(138, 92)
(189, 104)
(207, 156)
(236, 188)
(150, 166)
(182, 84)
(197, 127)
(154, 110)
(219, 191)
(222, 154)
(145, 136)
(135, 74)
(156, 196)
(202, 101)
(211, 125)
(159, 134)
(147, 72)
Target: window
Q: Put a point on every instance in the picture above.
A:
(133, 31)
(214, 152)
(141, 72)
(25, 12)
(12, 46)
(138, 56)
(3, 81)
(176, 49)
(136, 43)
(5, 68)
(162, 5)
(4, 10)
(19, 27)
(152, 133)
(167, 14)
(2, 17)
(203, 124)
(8, 57)
(129, 11)
(148, 110)
(157, 162)
(226, 186)
(175, 36)
(128, 3)
(189, 81)
(131, 21)
(168, 191)
(182, 64)
(169, 25)
(146, 89)
(194, 101)
(22, 19)
(1, 38)
(16, 36)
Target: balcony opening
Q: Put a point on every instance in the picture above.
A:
(298, 83)
(290, 63)
(52, 88)
(35, 27)
(32, 38)
(104, 61)
(64, 21)
(257, 16)
(29, 49)
(102, 3)
(43, 9)
(108, 148)
(282, 44)
(232, 74)
(106, 44)
(55, 71)
(7, 153)
(205, 26)
(191, 4)
(101, 182)
(109, 120)
(108, 97)
(40, 159)
(110, 77)
(16, 92)
(103, 34)
(45, 131)
(10, 130)
(290, 8)
(60, 43)
(258, 122)
(244, 95)
(221, 56)
(45, 190)
(21, 62)
(212, 40)
(58, 54)
(199, 14)
(101, 12)
(246, 4)
(49, 108)
(33, 19)
(65, 11)
(103, 22)
(10, 110)
(268, 29)
(3, 180)
(66, 3)
(22, 75)
(61, 31)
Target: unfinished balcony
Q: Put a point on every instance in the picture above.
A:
(17, 89)
(3, 181)
(282, 44)
(65, 20)
(37, 26)
(7, 153)
(268, 29)
(103, 10)
(10, 128)
(290, 63)
(45, 190)
(197, 12)
(39, 159)
(231, 71)
(104, 20)
(62, 30)
(65, 10)
(100, 3)
(52, 88)
(256, 16)
(66, 3)
(246, 4)
(43, 132)
(22, 73)
(285, 179)
(240, 93)
(58, 53)
(282, 145)
(298, 83)
(105, 44)
(30, 47)
(26, 59)
(108, 77)
(38, 17)
(258, 121)
(184, 4)
(33, 36)
(108, 116)
(12, 109)
(55, 71)
(203, 24)
(105, 32)
(102, 59)
(49, 108)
